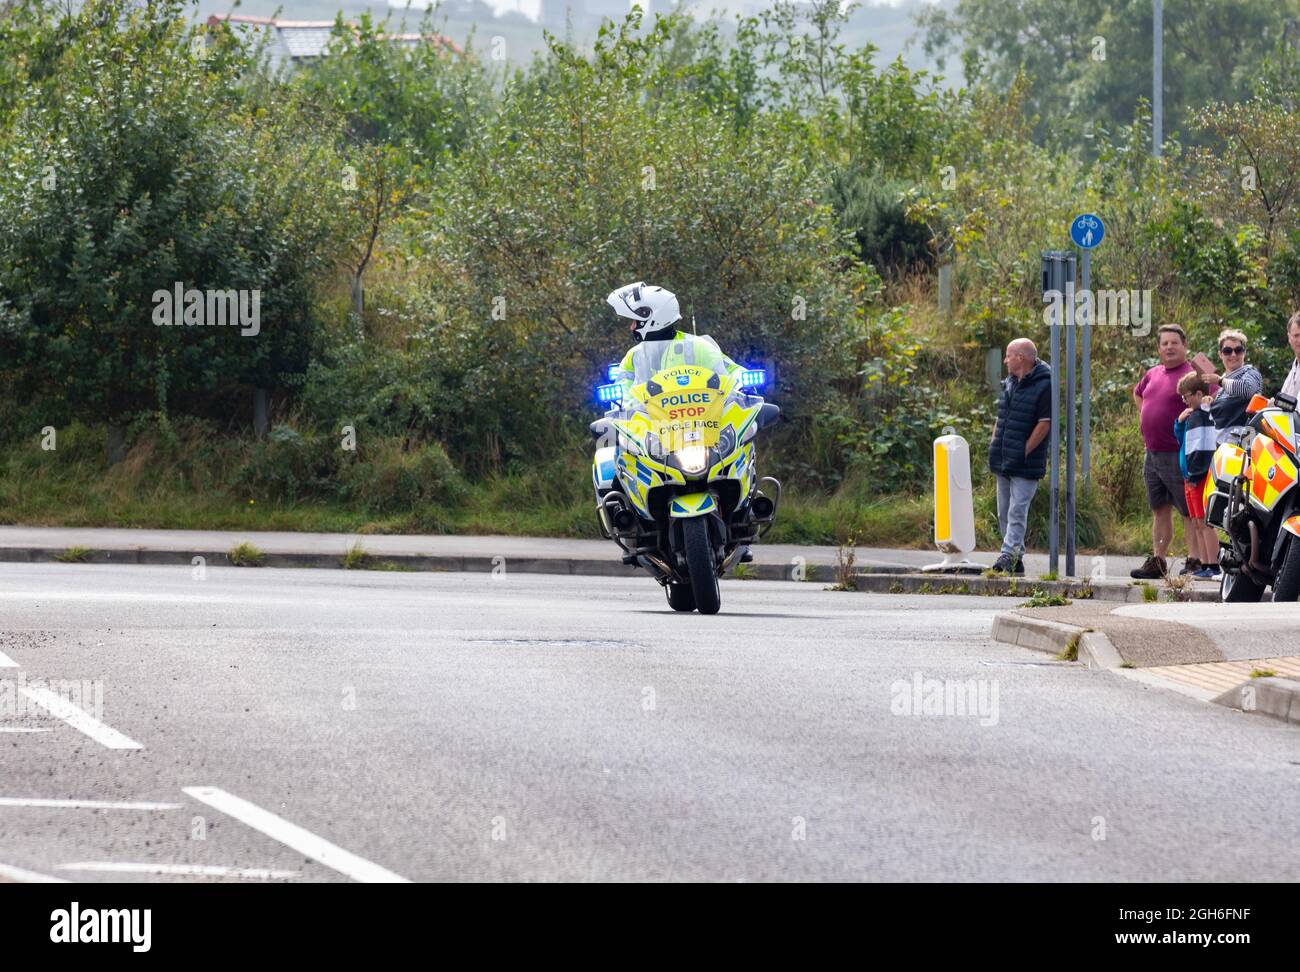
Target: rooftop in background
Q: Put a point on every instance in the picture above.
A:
(305, 40)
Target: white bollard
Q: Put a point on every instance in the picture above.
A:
(954, 507)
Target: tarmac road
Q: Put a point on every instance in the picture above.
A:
(338, 725)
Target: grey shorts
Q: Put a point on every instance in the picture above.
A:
(1164, 480)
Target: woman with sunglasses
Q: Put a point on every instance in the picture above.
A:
(1238, 384)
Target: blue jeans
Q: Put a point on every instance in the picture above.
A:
(1014, 496)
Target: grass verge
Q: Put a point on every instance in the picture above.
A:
(205, 481)
(74, 555)
(245, 554)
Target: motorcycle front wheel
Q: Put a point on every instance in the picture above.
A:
(1287, 585)
(699, 561)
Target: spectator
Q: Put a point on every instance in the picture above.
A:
(1292, 384)
(1194, 430)
(1238, 385)
(1018, 448)
(1156, 395)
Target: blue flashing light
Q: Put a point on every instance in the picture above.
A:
(753, 378)
(606, 394)
(611, 373)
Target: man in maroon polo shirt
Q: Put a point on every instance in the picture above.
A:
(1157, 397)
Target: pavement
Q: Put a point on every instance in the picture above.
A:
(472, 553)
(310, 725)
(1210, 652)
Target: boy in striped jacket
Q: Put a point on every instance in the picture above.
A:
(1195, 432)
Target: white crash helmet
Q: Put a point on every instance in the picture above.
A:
(651, 309)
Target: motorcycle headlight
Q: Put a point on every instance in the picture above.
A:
(692, 459)
(726, 442)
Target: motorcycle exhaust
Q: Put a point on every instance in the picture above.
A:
(763, 507)
(615, 511)
(1259, 572)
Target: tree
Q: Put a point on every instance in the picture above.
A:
(424, 97)
(580, 184)
(137, 165)
(1257, 178)
(1090, 60)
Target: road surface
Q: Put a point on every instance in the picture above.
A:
(300, 725)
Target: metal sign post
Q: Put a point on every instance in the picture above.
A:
(1058, 281)
(1070, 399)
(1085, 276)
(1087, 231)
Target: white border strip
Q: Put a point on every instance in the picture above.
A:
(7, 662)
(291, 835)
(27, 877)
(84, 804)
(21, 729)
(185, 870)
(79, 719)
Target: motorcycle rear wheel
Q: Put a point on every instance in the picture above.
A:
(1287, 585)
(699, 561)
(680, 597)
(1236, 588)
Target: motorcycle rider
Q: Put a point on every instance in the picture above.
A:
(654, 315)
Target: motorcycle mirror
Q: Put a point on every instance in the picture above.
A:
(1257, 404)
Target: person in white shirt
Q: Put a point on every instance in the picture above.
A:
(1292, 384)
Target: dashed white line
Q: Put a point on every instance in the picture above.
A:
(27, 877)
(84, 804)
(291, 835)
(183, 870)
(21, 729)
(79, 719)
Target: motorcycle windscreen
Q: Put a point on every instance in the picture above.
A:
(684, 411)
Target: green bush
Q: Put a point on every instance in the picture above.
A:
(874, 209)
(289, 465)
(579, 184)
(389, 478)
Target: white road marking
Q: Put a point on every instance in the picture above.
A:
(84, 804)
(291, 835)
(7, 662)
(20, 729)
(27, 877)
(79, 719)
(187, 870)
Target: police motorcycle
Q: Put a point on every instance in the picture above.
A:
(675, 468)
(1251, 498)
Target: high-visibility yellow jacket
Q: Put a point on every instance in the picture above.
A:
(648, 358)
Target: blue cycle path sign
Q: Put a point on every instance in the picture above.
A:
(1087, 231)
